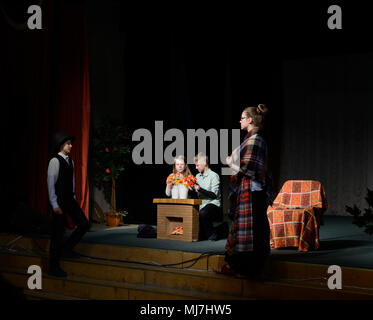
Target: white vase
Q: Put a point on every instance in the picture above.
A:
(175, 192)
(183, 192)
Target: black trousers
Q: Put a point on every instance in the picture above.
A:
(252, 263)
(207, 215)
(58, 229)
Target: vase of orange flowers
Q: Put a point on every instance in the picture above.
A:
(180, 185)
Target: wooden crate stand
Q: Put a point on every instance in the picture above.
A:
(173, 213)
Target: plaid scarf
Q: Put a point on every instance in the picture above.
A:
(253, 166)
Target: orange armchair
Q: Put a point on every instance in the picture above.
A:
(296, 215)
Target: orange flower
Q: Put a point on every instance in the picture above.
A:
(175, 178)
(107, 170)
(106, 149)
(189, 181)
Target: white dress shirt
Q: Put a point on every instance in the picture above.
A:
(53, 171)
(209, 181)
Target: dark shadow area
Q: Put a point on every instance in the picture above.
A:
(342, 244)
(296, 256)
(22, 219)
(10, 293)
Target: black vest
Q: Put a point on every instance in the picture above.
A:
(64, 183)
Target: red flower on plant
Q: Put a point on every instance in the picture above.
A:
(107, 170)
(106, 149)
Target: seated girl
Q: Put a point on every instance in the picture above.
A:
(177, 185)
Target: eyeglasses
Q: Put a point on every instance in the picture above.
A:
(243, 118)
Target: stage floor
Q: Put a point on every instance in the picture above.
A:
(341, 243)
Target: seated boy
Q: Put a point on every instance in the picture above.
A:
(208, 188)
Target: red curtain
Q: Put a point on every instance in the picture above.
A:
(72, 95)
(37, 76)
(46, 77)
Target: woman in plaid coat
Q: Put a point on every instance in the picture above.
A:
(248, 241)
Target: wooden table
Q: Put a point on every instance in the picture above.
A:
(173, 213)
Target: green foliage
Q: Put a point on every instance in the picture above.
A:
(123, 213)
(110, 149)
(109, 155)
(363, 220)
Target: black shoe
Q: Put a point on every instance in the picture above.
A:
(213, 237)
(57, 272)
(70, 254)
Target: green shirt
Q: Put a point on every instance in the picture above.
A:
(209, 181)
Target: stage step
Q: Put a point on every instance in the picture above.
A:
(98, 279)
(44, 295)
(118, 252)
(140, 282)
(88, 288)
(275, 269)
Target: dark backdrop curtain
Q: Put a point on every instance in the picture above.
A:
(189, 80)
(44, 80)
(327, 132)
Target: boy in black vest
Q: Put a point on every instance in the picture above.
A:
(61, 190)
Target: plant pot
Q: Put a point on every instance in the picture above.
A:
(112, 219)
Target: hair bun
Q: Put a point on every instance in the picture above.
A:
(261, 109)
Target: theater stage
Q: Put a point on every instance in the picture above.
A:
(341, 243)
(138, 268)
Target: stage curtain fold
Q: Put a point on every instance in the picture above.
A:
(46, 78)
(72, 94)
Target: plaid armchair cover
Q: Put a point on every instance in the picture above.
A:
(296, 215)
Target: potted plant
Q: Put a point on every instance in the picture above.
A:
(363, 219)
(113, 217)
(109, 155)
